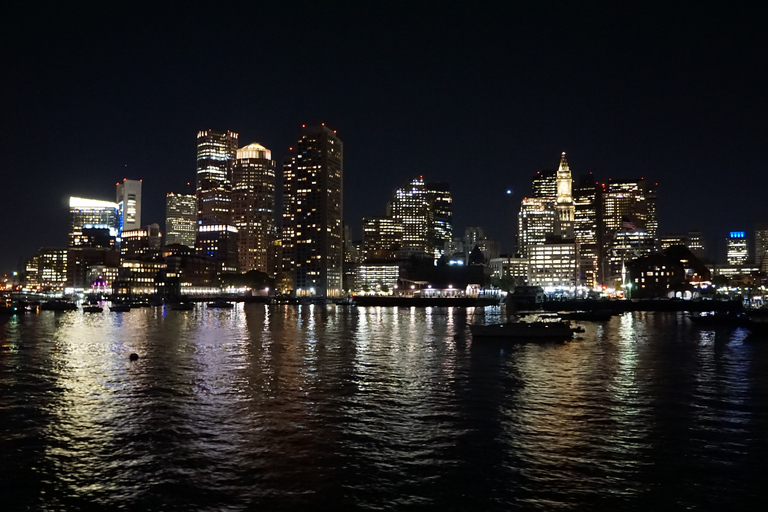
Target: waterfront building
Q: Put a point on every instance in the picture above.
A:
(737, 251)
(377, 278)
(253, 206)
(180, 219)
(91, 269)
(128, 199)
(476, 236)
(139, 277)
(510, 268)
(441, 206)
(139, 242)
(554, 267)
(46, 271)
(91, 214)
(312, 213)
(216, 236)
(382, 238)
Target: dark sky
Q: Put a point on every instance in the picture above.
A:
(481, 98)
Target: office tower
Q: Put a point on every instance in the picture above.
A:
(139, 242)
(425, 211)
(761, 246)
(253, 206)
(629, 225)
(128, 199)
(180, 219)
(312, 213)
(536, 222)
(737, 252)
(586, 230)
(382, 238)
(216, 236)
(92, 222)
(544, 184)
(477, 237)
(441, 206)
(697, 245)
(410, 207)
(564, 207)
(671, 240)
(553, 266)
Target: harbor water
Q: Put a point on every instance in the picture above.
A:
(372, 408)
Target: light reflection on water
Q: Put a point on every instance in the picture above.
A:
(290, 407)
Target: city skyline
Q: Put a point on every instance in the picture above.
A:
(478, 99)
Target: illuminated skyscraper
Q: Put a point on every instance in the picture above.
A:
(586, 229)
(535, 223)
(629, 225)
(564, 208)
(180, 219)
(382, 238)
(253, 206)
(761, 247)
(128, 199)
(425, 212)
(216, 236)
(92, 219)
(312, 213)
(737, 252)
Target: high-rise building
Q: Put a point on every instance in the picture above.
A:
(216, 236)
(586, 229)
(441, 205)
(410, 207)
(737, 248)
(180, 219)
(139, 242)
(697, 245)
(425, 212)
(761, 247)
(382, 238)
(128, 199)
(536, 222)
(629, 225)
(89, 218)
(312, 213)
(253, 206)
(544, 184)
(564, 207)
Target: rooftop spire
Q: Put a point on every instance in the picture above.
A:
(563, 165)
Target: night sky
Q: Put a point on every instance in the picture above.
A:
(481, 98)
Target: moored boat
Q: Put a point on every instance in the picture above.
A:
(92, 308)
(120, 307)
(548, 330)
(220, 303)
(58, 305)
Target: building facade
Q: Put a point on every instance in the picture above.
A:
(128, 199)
(180, 219)
(87, 215)
(253, 206)
(216, 237)
(312, 213)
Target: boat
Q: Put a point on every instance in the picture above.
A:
(220, 303)
(92, 308)
(589, 316)
(521, 330)
(720, 318)
(182, 306)
(757, 322)
(58, 305)
(120, 307)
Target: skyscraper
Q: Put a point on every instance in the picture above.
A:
(425, 211)
(180, 219)
(90, 219)
(216, 236)
(564, 208)
(737, 251)
(128, 199)
(253, 206)
(312, 213)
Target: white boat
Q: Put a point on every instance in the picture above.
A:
(220, 303)
(551, 330)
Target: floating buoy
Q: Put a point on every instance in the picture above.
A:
(133, 357)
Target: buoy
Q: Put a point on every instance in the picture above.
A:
(134, 356)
